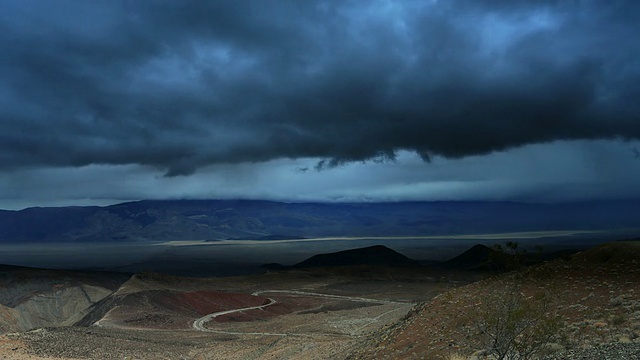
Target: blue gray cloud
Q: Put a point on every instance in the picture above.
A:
(180, 86)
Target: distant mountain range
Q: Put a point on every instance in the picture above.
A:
(267, 220)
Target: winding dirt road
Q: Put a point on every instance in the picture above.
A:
(198, 324)
(341, 297)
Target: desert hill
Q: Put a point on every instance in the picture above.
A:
(377, 255)
(155, 301)
(31, 298)
(483, 258)
(478, 257)
(594, 293)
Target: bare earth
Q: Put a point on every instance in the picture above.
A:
(314, 314)
(345, 313)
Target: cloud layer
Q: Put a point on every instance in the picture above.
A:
(183, 85)
(554, 172)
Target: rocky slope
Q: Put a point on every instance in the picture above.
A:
(595, 296)
(60, 308)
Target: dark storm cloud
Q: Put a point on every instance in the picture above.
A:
(180, 85)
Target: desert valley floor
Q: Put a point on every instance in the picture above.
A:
(340, 312)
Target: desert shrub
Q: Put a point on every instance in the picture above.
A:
(509, 255)
(514, 326)
(618, 319)
(456, 356)
(617, 301)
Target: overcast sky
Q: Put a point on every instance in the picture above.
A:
(108, 101)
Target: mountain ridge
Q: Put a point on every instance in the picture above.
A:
(167, 220)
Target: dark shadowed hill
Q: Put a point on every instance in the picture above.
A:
(377, 255)
(478, 257)
(481, 257)
(268, 220)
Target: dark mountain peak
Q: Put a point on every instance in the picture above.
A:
(479, 249)
(377, 255)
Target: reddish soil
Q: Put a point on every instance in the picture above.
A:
(285, 305)
(206, 302)
(162, 309)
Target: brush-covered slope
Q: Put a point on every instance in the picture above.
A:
(595, 293)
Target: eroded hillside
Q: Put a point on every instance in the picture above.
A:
(33, 298)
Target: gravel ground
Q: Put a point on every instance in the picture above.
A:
(91, 343)
(619, 351)
(111, 344)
